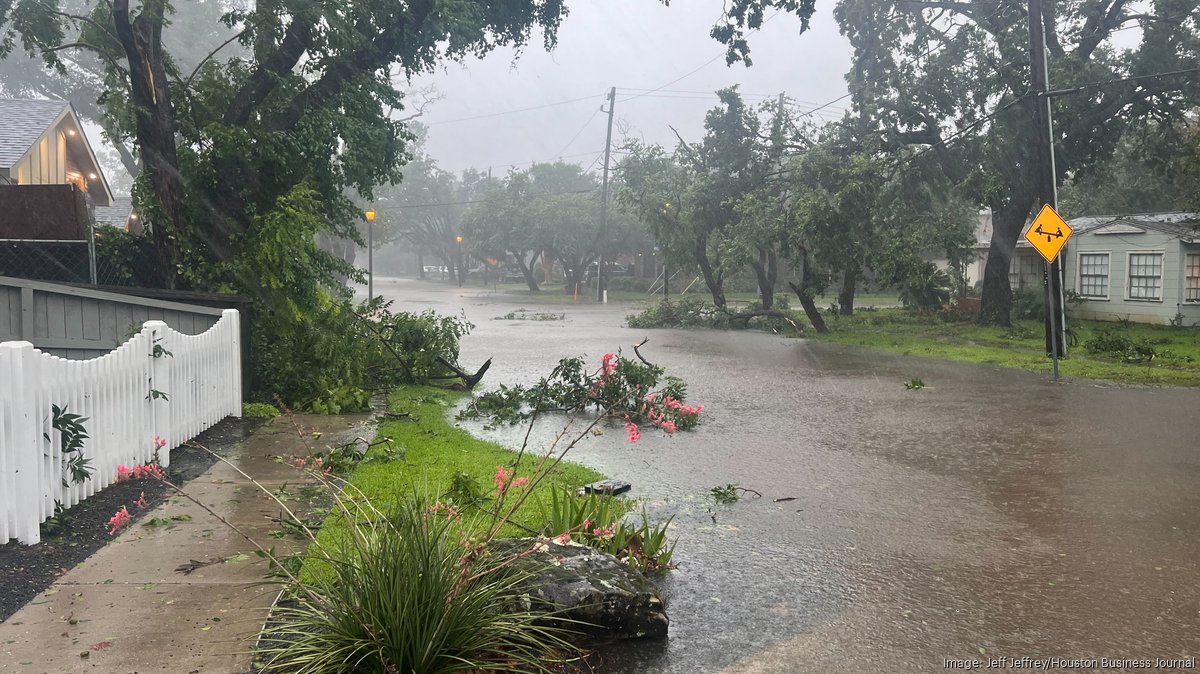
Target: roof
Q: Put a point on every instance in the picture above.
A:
(1180, 225)
(22, 122)
(116, 215)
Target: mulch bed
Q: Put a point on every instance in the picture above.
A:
(29, 569)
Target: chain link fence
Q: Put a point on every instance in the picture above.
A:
(111, 258)
(57, 261)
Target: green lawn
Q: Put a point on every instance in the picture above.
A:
(1022, 346)
(435, 451)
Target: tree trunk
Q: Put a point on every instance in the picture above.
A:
(996, 303)
(711, 278)
(527, 270)
(806, 300)
(766, 294)
(421, 265)
(154, 120)
(762, 274)
(846, 296)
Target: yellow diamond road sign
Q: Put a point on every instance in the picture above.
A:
(1048, 233)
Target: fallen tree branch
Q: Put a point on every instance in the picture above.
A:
(469, 380)
(639, 353)
(770, 313)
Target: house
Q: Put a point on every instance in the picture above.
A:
(120, 215)
(1026, 267)
(1142, 268)
(42, 143)
(50, 188)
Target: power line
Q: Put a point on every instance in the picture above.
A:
(576, 136)
(512, 112)
(1120, 80)
(477, 201)
(698, 68)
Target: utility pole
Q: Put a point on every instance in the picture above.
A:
(612, 104)
(1046, 173)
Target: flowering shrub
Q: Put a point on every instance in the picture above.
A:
(635, 391)
(138, 472)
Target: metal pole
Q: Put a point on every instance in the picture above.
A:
(1047, 189)
(370, 259)
(612, 104)
(1058, 262)
(92, 252)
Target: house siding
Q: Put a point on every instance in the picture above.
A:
(1119, 305)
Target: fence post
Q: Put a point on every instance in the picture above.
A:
(160, 384)
(27, 448)
(235, 367)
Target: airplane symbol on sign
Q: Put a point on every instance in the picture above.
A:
(1049, 235)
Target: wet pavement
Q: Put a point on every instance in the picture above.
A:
(127, 608)
(989, 515)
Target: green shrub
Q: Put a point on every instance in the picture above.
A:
(408, 591)
(925, 287)
(121, 258)
(1113, 343)
(259, 411)
(683, 312)
(595, 520)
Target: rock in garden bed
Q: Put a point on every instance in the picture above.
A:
(589, 586)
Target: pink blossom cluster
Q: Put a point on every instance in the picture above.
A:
(122, 516)
(608, 365)
(138, 472)
(159, 442)
(301, 462)
(506, 479)
(119, 520)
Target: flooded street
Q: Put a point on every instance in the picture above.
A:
(989, 515)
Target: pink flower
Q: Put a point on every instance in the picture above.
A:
(138, 472)
(502, 476)
(159, 442)
(563, 538)
(318, 462)
(120, 519)
(141, 501)
(299, 462)
(520, 482)
(607, 366)
(634, 433)
(668, 426)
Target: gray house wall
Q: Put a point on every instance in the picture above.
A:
(80, 323)
(1119, 244)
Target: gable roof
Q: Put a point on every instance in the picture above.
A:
(22, 123)
(1179, 225)
(116, 215)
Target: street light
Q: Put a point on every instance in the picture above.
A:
(370, 216)
(459, 239)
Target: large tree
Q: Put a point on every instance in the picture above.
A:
(954, 78)
(308, 105)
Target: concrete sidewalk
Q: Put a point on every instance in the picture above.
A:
(126, 609)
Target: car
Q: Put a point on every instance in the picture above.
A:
(611, 269)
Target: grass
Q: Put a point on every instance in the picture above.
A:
(435, 451)
(1022, 346)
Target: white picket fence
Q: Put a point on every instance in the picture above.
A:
(159, 384)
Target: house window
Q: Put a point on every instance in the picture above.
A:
(1093, 275)
(1192, 278)
(1145, 276)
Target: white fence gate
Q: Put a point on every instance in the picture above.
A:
(159, 384)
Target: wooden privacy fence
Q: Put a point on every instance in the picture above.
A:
(160, 384)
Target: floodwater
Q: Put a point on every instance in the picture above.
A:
(989, 515)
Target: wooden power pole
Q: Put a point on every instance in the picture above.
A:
(612, 104)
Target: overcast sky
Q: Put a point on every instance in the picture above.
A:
(635, 45)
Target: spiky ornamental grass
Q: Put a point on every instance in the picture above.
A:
(409, 593)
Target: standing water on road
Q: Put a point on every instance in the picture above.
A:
(988, 515)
